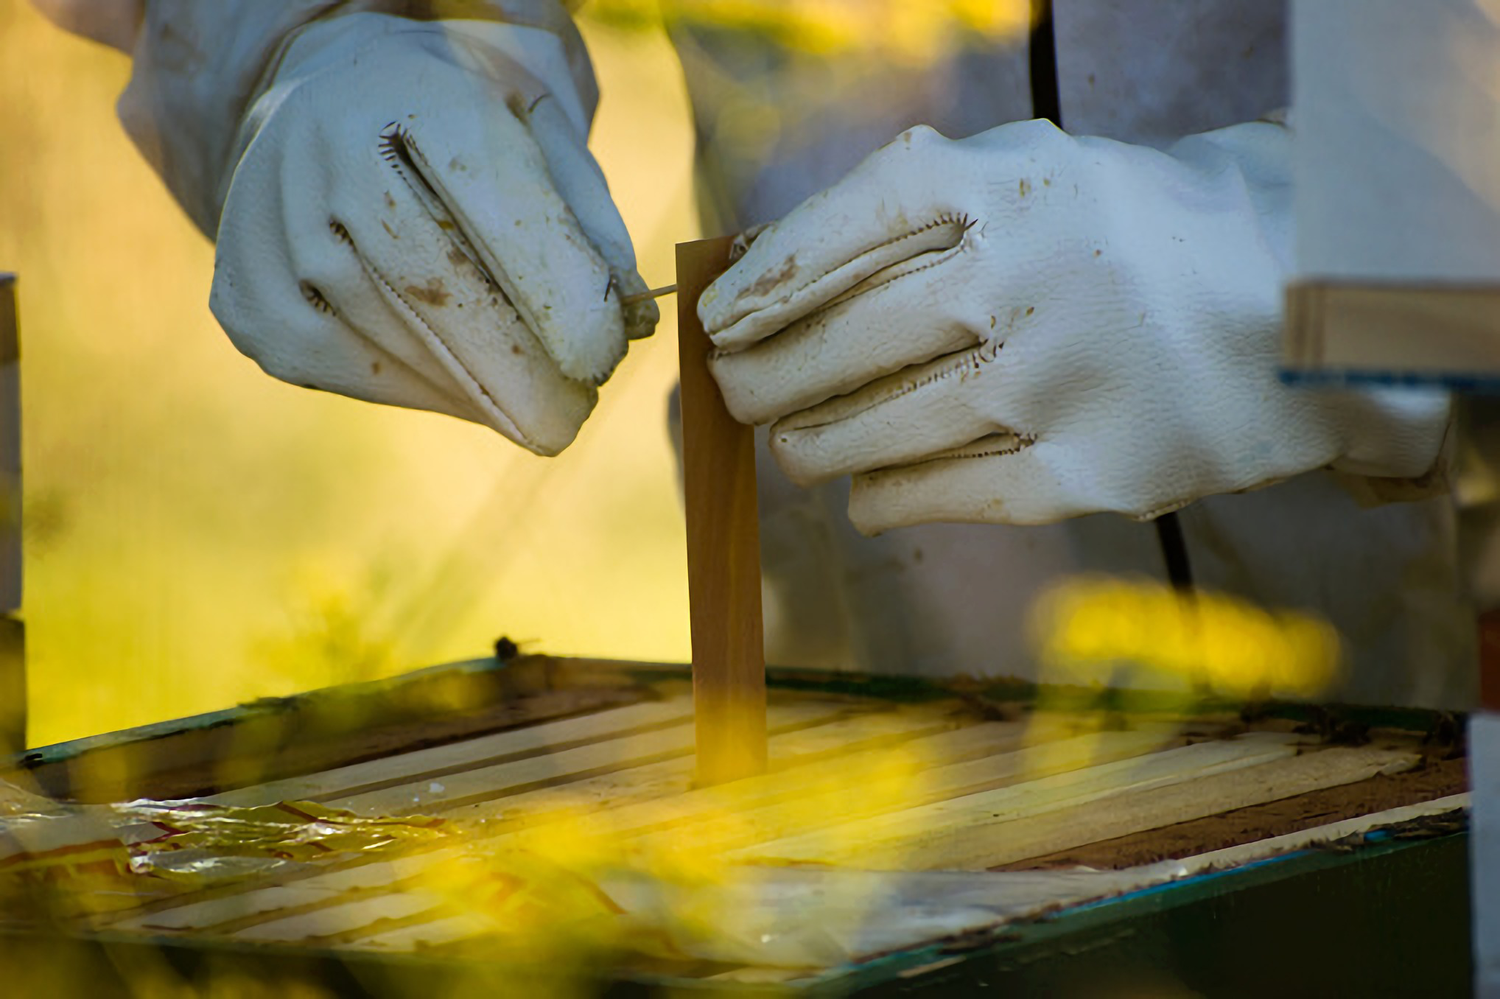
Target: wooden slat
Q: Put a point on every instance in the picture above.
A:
(976, 838)
(487, 783)
(847, 745)
(828, 794)
(928, 829)
(723, 544)
(438, 762)
(439, 931)
(794, 814)
(656, 781)
(343, 919)
(1394, 329)
(328, 888)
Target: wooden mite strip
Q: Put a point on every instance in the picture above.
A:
(723, 544)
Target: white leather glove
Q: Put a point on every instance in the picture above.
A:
(1023, 326)
(410, 214)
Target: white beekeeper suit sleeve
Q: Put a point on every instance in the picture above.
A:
(402, 197)
(1024, 326)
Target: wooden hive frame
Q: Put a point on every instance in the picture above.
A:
(548, 730)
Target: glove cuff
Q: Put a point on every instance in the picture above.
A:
(1431, 434)
(200, 66)
(1401, 450)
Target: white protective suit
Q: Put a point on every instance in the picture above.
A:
(940, 598)
(944, 598)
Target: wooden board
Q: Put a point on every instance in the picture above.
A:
(723, 544)
(1431, 331)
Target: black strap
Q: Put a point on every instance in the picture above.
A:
(1174, 551)
(1047, 103)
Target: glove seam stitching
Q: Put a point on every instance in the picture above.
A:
(946, 219)
(1023, 441)
(972, 359)
(344, 236)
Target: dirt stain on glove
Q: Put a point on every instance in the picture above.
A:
(434, 293)
(768, 282)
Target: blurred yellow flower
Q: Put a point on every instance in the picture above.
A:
(904, 30)
(1208, 638)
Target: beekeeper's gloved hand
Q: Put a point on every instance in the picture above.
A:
(405, 207)
(1023, 326)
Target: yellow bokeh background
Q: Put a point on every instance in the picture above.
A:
(197, 534)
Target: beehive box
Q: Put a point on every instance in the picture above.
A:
(908, 834)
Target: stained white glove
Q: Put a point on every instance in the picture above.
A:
(411, 216)
(1023, 326)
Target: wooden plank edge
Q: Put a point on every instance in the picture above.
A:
(968, 818)
(1392, 333)
(566, 673)
(1236, 856)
